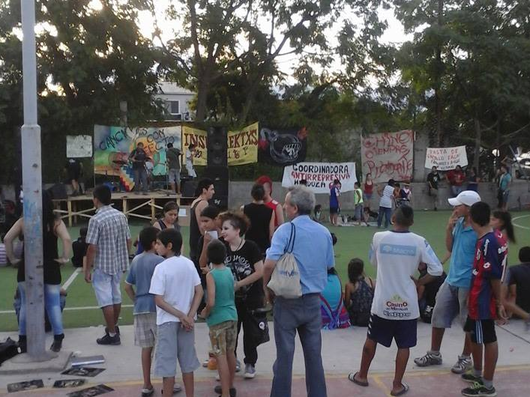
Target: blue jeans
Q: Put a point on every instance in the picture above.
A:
(52, 303)
(387, 212)
(140, 177)
(302, 315)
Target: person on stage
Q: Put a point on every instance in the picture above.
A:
(190, 153)
(139, 157)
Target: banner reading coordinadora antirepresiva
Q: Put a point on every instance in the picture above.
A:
(320, 175)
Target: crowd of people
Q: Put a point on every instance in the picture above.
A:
(232, 256)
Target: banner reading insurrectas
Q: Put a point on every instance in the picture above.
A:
(319, 176)
(282, 147)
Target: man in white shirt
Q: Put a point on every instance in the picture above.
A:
(385, 205)
(396, 254)
(190, 153)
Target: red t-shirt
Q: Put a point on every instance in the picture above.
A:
(272, 205)
(456, 178)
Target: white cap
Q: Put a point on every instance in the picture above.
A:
(467, 197)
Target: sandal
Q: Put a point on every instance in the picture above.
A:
(352, 378)
(402, 391)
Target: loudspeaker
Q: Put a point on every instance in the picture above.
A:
(188, 187)
(217, 146)
(58, 191)
(220, 177)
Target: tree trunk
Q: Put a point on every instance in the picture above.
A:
(439, 65)
(478, 140)
(250, 97)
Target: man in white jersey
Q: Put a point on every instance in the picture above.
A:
(396, 254)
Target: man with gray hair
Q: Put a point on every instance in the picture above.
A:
(313, 251)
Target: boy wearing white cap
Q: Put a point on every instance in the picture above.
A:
(451, 301)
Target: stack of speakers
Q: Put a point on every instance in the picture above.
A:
(217, 167)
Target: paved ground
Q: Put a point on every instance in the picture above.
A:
(341, 353)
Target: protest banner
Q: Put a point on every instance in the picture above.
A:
(282, 147)
(112, 146)
(446, 159)
(243, 145)
(388, 155)
(78, 146)
(319, 176)
(198, 137)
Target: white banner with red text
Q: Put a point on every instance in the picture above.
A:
(320, 176)
(446, 158)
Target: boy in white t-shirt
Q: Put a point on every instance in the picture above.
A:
(178, 293)
(395, 311)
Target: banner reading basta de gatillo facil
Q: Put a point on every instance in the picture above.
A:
(319, 176)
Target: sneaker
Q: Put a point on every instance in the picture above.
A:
(431, 358)
(250, 371)
(470, 377)
(205, 363)
(116, 328)
(109, 340)
(463, 365)
(238, 366)
(218, 390)
(478, 389)
(148, 392)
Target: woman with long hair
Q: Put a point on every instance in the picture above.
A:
(52, 229)
(502, 221)
(170, 217)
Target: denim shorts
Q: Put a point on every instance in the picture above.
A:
(107, 288)
(450, 303)
(174, 342)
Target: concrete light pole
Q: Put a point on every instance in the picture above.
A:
(32, 186)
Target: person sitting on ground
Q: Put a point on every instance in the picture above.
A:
(266, 181)
(318, 213)
(261, 219)
(516, 288)
(334, 314)
(79, 248)
(359, 293)
(178, 293)
(221, 316)
(395, 311)
(137, 287)
(427, 293)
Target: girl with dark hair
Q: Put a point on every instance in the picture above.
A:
(170, 217)
(261, 219)
(502, 221)
(53, 228)
(244, 258)
(359, 293)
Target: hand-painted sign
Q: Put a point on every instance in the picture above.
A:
(243, 145)
(198, 138)
(388, 155)
(78, 146)
(320, 175)
(283, 147)
(446, 159)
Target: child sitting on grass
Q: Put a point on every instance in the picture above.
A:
(178, 292)
(221, 316)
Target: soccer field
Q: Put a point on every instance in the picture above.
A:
(81, 310)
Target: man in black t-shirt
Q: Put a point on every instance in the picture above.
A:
(432, 181)
(517, 288)
(139, 157)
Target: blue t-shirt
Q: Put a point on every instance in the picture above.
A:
(462, 255)
(313, 251)
(504, 180)
(142, 269)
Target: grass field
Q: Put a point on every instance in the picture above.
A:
(352, 242)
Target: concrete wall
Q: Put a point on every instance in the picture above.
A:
(519, 196)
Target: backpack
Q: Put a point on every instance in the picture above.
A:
(8, 349)
(285, 279)
(361, 304)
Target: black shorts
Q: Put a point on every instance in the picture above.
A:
(382, 331)
(334, 210)
(481, 331)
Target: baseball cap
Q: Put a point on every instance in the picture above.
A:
(467, 197)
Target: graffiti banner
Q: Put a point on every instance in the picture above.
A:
(388, 155)
(243, 146)
(446, 159)
(78, 146)
(319, 176)
(197, 137)
(112, 146)
(282, 147)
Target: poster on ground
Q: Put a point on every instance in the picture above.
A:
(446, 159)
(282, 146)
(319, 176)
(112, 146)
(388, 155)
(78, 146)
(243, 145)
(197, 137)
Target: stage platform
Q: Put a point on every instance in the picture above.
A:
(132, 205)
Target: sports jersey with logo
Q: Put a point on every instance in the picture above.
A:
(489, 264)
